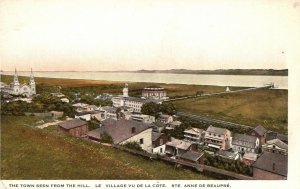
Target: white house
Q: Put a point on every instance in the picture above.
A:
(159, 141)
(194, 135)
(122, 131)
(245, 143)
(276, 146)
(218, 138)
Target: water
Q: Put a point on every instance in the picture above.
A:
(199, 79)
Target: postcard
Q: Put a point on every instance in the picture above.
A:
(149, 94)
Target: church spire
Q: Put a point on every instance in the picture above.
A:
(16, 80)
(31, 75)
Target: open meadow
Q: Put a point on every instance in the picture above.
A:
(265, 107)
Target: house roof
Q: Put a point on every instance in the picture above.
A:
(80, 105)
(217, 130)
(260, 130)
(175, 123)
(226, 154)
(164, 116)
(72, 123)
(159, 124)
(155, 136)
(184, 145)
(191, 155)
(195, 131)
(278, 143)
(250, 156)
(282, 137)
(94, 133)
(109, 109)
(121, 129)
(267, 161)
(86, 112)
(244, 140)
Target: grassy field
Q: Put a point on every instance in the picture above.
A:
(268, 108)
(31, 153)
(135, 88)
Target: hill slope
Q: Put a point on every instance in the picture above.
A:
(31, 153)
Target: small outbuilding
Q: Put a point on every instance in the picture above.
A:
(193, 157)
(74, 127)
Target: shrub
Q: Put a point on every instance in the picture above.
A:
(133, 145)
(106, 138)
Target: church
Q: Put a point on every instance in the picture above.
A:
(17, 89)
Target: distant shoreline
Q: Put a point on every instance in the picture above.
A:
(92, 82)
(258, 72)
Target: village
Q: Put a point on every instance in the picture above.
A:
(149, 126)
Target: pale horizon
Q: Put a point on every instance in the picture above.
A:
(116, 35)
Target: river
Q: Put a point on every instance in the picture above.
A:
(281, 82)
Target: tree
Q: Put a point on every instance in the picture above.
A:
(118, 112)
(168, 108)
(93, 124)
(150, 108)
(106, 138)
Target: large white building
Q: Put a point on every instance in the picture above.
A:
(154, 92)
(17, 89)
(132, 102)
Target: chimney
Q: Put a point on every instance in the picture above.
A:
(273, 166)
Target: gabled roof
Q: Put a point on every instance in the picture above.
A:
(121, 130)
(244, 140)
(267, 161)
(260, 130)
(278, 143)
(195, 131)
(72, 123)
(155, 136)
(217, 130)
(191, 155)
(94, 133)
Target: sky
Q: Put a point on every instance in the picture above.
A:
(108, 35)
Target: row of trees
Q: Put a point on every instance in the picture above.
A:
(227, 164)
(40, 103)
(187, 123)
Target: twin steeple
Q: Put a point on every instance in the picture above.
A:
(16, 80)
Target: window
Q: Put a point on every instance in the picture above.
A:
(141, 141)
(161, 141)
(161, 150)
(133, 130)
